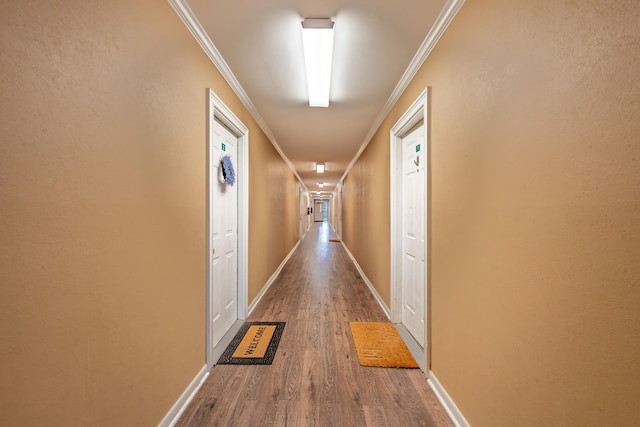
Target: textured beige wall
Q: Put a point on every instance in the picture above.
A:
(102, 210)
(535, 196)
(366, 213)
(273, 220)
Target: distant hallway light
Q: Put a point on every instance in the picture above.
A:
(320, 167)
(317, 39)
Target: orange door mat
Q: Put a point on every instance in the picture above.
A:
(379, 344)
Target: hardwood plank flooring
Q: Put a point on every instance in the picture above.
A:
(315, 378)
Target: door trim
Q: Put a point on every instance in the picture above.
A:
(315, 209)
(218, 110)
(302, 212)
(339, 208)
(416, 113)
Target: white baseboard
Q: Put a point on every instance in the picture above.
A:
(366, 280)
(452, 410)
(181, 404)
(271, 280)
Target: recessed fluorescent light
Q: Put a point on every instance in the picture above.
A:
(317, 39)
(321, 184)
(320, 167)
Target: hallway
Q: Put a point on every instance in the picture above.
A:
(315, 379)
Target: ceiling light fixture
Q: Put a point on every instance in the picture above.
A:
(317, 39)
(321, 184)
(320, 167)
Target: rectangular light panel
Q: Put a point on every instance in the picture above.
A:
(317, 39)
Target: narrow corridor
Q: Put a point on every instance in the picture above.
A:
(315, 379)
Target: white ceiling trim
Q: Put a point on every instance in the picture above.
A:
(441, 24)
(195, 28)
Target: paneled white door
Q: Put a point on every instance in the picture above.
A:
(413, 232)
(318, 213)
(224, 237)
(339, 230)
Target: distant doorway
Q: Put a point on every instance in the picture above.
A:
(338, 213)
(302, 212)
(318, 211)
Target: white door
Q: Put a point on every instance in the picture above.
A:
(318, 214)
(413, 232)
(300, 214)
(224, 237)
(340, 212)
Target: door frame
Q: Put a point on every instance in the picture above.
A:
(302, 214)
(340, 211)
(335, 207)
(218, 110)
(416, 113)
(315, 211)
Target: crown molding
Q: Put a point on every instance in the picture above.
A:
(447, 14)
(195, 28)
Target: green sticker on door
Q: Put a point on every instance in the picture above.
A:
(224, 147)
(417, 148)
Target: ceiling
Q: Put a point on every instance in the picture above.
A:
(375, 42)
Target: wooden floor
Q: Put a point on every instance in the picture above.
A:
(315, 378)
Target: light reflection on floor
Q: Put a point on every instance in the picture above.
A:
(324, 234)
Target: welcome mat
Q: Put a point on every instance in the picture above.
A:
(254, 344)
(379, 344)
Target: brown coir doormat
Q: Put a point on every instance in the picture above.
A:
(254, 344)
(379, 344)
